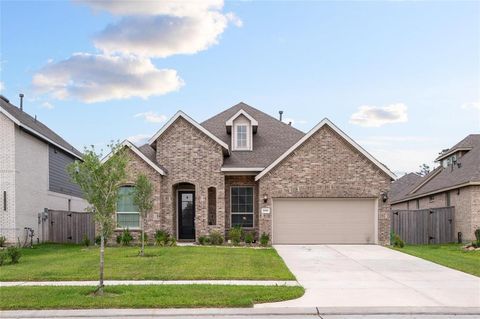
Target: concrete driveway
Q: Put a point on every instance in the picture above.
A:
(374, 276)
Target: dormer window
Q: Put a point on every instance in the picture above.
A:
(241, 127)
(241, 136)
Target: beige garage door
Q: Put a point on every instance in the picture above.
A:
(323, 221)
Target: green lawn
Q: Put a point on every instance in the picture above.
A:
(450, 255)
(168, 296)
(51, 262)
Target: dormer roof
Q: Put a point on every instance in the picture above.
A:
(253, 122)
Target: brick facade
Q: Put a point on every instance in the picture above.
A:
(7, 178)
(326, 166)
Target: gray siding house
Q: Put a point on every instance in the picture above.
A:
(33, 176)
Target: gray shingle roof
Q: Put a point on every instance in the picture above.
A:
(453, 175)
(403, 185)
(149, 152)
(272, 139)
(38, 127)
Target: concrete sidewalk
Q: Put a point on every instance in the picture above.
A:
(309, 312)
(152, 282)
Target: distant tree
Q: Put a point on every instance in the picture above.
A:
(100, 183)
(143, 199)
(424, 170)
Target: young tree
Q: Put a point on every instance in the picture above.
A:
(100, 183)
(143, 199)
(424, 170)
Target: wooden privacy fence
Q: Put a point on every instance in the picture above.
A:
(424, 226)
(68, 227)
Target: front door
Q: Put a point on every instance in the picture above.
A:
(186, 215)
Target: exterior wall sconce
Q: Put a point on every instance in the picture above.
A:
(265, 198)
(384, 196)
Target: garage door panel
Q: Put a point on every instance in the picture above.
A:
(322, 221)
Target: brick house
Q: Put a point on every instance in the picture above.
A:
(244, 167)
(455, 182)
(33, 176)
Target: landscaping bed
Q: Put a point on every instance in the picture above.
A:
(166, 296)
(449, 255)
(55, 262)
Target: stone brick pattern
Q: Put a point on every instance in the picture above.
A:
(475, 212)
(7, 178)
(241, 180)
(190, 156)
(326, 166)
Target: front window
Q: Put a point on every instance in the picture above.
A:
(242, 207)
(242, 136)
(127, 212)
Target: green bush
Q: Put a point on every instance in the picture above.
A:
(249, 238)
(477, 236)
(3, 240)
(264, 239)
(118, 239)
(3, 258)
(85, 240)
(14, 253)
(126, 237)
(203, 240)
(163, 238)
(398, 242)
(235, 234)
(98, 240)
(216, 238)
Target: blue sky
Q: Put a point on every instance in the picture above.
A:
(401, 78)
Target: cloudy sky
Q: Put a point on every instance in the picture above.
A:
(402, 78)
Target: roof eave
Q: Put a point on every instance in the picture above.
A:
(440, 190)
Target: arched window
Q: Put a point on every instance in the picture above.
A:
(127, 213)
(212, 206)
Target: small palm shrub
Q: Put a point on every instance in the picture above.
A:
(249, 237)
(118, 239)
(477, 237)
(3, 240)
(85, 240)
(126, 237)
(216, 238)
(235, 235)
(14, 253)
(163, 238)
(264, 239)
(398, 242)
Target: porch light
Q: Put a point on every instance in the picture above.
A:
(265, 198)
(384, 196)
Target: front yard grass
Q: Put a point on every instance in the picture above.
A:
(55, 262)
(449, 255)
(167, 296)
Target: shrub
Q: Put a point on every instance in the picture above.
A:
(235, 235)
(216, 238)
(203, 240)
(85, 240)
(118, 239)
(264, 239)
(3, 258)
(98, 239)
(398, 242)
(163, 238)
(14, 253)
(477, 236)
(126, 237)
(249, 237)
(3, 240)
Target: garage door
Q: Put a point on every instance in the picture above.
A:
(323, 221)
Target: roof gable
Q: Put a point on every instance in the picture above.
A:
(326, 122)
(195, 124)
(253, 122)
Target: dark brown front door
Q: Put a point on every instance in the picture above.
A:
(186, 215)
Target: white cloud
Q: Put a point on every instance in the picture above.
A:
(152, 117)
(47, 105)
(289, 120)
(95, 78)
(374, 116)
(139, 139)
(471, 106)
(392, 140)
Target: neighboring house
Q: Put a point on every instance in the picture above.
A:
(245, 168)
(33, 175)
(456, 182)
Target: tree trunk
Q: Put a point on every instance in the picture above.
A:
(143, 239)
(102, 261)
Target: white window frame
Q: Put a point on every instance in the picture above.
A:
(243, 213)
(247, 137)
(116, 216)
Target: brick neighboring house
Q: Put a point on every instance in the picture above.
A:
(244, 167)
(33, 174)
(456, 182)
